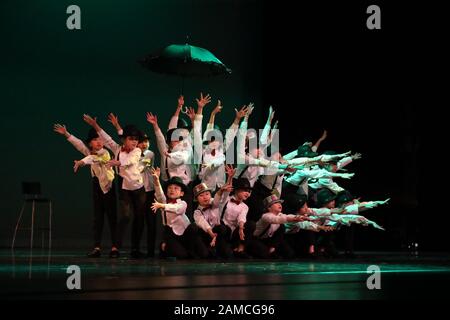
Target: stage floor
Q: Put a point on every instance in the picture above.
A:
(402, 276)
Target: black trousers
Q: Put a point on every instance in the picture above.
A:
(188, 197)
(150, 221)
(104, 204)
(233, 237)
(260, 248)
(300, 241)
(222, 248)
(132, 203)
(182, 246)
(255, 201)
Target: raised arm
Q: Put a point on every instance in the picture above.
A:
(159, 194)
(77, 143)
(242, 135)
(114, 120)
(202, 102)
(264, 139)
(174, 120)
(316, 145)
(160, 139)
(107, 140)
(223, 192)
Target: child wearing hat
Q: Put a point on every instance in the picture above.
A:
(301, 234)
(239, 230)
(131, 192)
(350, 216)
(179, 235)
(270, 230)
(212, 169)
(207, 218)
(176, 156)
(145, 163)
(334, 165)
(103, 191)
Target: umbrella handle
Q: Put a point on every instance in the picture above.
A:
(184, 110)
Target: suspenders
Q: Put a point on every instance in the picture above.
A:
(243, 171)
(167, 169)
(265, 230)
(223, 212)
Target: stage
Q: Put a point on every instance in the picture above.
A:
(402, 276)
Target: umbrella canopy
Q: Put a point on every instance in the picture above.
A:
(184, 60)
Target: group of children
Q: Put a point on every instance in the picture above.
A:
(215, 200)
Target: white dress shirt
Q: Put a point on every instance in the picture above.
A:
(235, 213)
(179, 162)
(145, 163)
(174, 214)
(270, 222)
(129, 163)
(97, 162)
(207, 218)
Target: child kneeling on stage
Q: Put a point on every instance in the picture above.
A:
(178, 233)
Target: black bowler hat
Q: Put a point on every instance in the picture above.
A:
(131, 130)
(242, 184)
(305, 151)
(176, 181)
(343, 197)
(294, 202)
(174, 134)
(213, 134)
(324, 196)
(182, 124)
(143, 136)
(92, 134)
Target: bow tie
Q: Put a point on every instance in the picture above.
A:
(206, 208)
(172, 201)
(235, 201)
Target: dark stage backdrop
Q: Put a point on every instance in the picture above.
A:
(50, 74)
(316, 63)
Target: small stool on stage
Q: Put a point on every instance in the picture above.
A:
(32, 194)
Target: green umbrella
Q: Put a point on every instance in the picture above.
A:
(184, 60)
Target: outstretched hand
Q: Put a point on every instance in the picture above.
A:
(89, 120)
(152, 119)
(60, 128)
(203, 101)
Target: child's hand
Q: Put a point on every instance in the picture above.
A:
(60, 128)
(230, 171)
(180, 101)
(114, 120)
(89, 120)
(112, 163)
(155, 172)
(241, 234)
(227, 188)
(347, 175)
(77, 164)
(213, 241)
(250, 108)
(356, 156)
(152, 119)
(324, 135)
(326, 228)
(190, 112)
(218, 108)
(242, 112)
(156, 206)
(203, 101)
